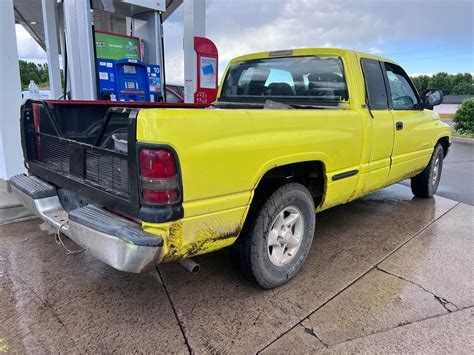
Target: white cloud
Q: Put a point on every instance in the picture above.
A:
(375, 50)
(28, 49)
(174, 55)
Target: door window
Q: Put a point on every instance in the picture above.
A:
(375, 84)
(403, 94)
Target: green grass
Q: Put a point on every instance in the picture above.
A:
(447, 117)
(463, 135)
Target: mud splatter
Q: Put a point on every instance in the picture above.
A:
(206, 240)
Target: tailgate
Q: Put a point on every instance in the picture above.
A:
(71, 147)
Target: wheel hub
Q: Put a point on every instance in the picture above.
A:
(285, 236)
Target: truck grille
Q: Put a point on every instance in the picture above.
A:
(102, 168)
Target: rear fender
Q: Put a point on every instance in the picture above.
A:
(290, 159)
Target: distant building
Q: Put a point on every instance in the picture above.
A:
(451, 104)
(45, 94)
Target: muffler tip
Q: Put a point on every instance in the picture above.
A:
(190, 265)
(195, 269)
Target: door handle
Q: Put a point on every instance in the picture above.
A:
(399, 126)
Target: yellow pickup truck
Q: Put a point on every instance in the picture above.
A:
(292, 133)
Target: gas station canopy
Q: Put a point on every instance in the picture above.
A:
(28, 13)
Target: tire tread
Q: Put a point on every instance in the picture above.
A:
(246, 250)
(421, 184)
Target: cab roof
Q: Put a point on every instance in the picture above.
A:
(308, 51)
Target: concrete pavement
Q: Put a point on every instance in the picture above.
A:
(386, 273)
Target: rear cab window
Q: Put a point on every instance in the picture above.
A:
(305, 79)
(375, 84)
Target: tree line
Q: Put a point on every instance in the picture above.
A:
(37, 72)
(451, 84)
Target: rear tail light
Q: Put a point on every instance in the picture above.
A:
(36, 124)
(158, 176)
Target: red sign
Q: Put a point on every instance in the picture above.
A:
(207, 70)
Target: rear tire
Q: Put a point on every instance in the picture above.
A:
(278, 236)
(426, 183)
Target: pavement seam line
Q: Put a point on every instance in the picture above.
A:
(401, 326)
(359, 277)
(310, 330)
(188, 345)
(415, 235)
(443, 301)
(48, 305)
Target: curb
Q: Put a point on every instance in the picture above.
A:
(4, 186)
(462, 140)
(11, 210)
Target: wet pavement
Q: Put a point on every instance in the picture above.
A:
(457, 178)
(386, 273)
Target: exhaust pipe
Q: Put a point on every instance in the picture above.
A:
(190, 265)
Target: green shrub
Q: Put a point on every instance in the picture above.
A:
(464, 118)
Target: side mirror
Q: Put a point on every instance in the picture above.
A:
(432, 98)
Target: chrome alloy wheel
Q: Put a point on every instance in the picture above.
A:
(285, 236)
(435, 171)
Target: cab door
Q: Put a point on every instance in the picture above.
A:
(412, 147)
(381, 129)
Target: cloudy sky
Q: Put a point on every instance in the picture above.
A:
(424, 36)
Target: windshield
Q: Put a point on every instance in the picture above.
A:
(293, 79)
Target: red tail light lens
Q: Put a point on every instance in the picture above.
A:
(160, 197)
(157, 164)
(159, 179)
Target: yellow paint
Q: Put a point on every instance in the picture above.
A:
(198, 235)
(414, 144)
(224, 153)
(3, 346)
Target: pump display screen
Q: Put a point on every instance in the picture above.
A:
(130, 85)
(129, 69)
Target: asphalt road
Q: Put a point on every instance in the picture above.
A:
(457, 178)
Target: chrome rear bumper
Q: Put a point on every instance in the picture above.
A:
(114, 240)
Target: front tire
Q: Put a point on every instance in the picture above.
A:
(275, 243)
(426, 183)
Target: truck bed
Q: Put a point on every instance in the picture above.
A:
(68, 144)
